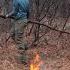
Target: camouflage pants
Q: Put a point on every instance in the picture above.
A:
(17, 32)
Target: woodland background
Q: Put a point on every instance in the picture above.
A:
(47, 32)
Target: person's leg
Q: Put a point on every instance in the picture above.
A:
(12, 31)
(19, 30)
(20, 43)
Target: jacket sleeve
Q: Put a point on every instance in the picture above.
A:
(15, 8)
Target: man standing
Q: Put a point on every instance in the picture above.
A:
(20, 13)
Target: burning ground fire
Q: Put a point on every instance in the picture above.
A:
(36, 63)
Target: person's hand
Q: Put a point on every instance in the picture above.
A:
(6, 16)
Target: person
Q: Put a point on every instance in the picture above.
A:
(20, 13)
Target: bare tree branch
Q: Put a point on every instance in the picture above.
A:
(35, 22)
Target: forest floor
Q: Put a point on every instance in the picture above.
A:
(52, 58)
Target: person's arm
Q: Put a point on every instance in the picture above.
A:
(15, 8)
(10, 14)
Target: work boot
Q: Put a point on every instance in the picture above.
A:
(23, 58)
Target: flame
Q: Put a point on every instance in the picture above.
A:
(35, 65)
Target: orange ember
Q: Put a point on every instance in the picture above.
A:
(35, 64)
